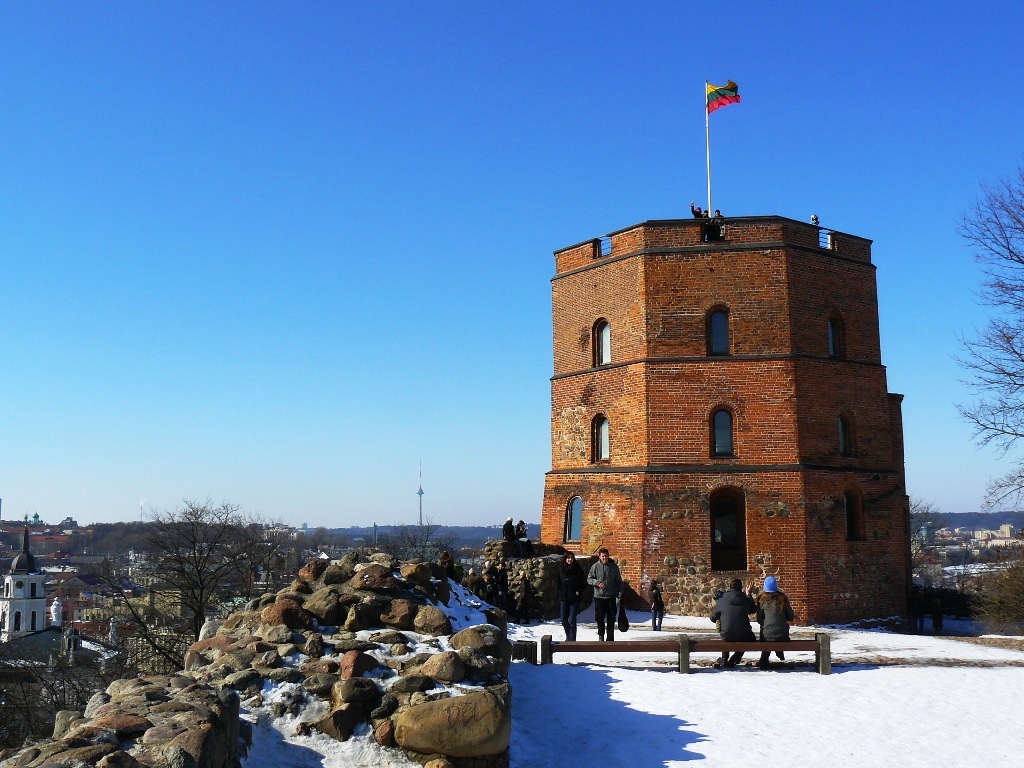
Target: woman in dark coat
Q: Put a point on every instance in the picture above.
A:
(773, 614)
(572, 582)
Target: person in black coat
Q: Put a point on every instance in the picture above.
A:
(508, 534)
(733, 609)
(522, 539)
(501, 587)
(571, 584)
(657, 606)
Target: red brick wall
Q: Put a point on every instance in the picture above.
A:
(649, 502)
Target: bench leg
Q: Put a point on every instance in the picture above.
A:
(823, 656)
(545, 649)
(684, 654)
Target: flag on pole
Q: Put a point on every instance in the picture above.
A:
(722, 95)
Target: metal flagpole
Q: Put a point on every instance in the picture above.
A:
(707, 132)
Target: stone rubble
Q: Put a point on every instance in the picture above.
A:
(357, 648)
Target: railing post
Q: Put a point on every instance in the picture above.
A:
(823, 656)
(684, 654)
(545, 649)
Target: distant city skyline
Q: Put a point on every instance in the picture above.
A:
(277, 256)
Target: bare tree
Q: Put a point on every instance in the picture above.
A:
(995, 358)
(925, 519)
(411, 541)
(1001, 603)
(37, 681)
(202, 556)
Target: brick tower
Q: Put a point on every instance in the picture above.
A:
(719, 409)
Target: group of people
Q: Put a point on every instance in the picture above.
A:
(496, 587)
(925, 602)
(714, 226)
(516, 535)
(732, 614)
(732, 611)
(606, 580)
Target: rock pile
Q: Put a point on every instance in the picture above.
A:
(359, 649)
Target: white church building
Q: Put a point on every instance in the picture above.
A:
(23, 605)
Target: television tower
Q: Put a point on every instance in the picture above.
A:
(420, 494)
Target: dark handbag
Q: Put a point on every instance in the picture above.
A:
(623, 621)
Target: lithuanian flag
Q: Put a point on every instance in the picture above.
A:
(722, 95)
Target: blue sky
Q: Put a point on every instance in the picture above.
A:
(279, 254)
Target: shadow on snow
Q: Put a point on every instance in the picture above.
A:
(573, 715)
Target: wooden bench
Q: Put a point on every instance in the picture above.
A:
(685, 645)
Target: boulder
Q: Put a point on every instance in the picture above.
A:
(417, 573)
(473, 725)
(401, 614)
(432, 621)
(288, 613)
(356, 664)
(320, 683)
(446, 667)
(97, 701)
(161, 734)
(384, 733)
(62, 722)
(284, 675)
(244, 679)
(314, 647)
(389, 561)
(356, 690)
(388, 637)
(375, 577)
(122, 725)
(313, 570)
(118, 759)
(412, 684)
(341, 722)
(324, 605)
(339, 573)
(486, 639)
(275, 634)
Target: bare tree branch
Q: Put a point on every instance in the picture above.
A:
(994, 359)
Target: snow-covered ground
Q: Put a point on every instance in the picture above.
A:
(892, 699)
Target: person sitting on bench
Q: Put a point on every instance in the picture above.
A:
(733, 609)
(773, 614)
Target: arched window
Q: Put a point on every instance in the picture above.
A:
(33, 627)
(601, 439)
(854, 516)
(721, 433)
(845, 436)
(602, 342)
(17, 621)
(836, 337)
(574, 519)
(718, 332)
(728, 530)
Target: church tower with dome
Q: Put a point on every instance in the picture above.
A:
(23, 605)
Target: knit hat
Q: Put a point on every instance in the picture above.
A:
(770, 585)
